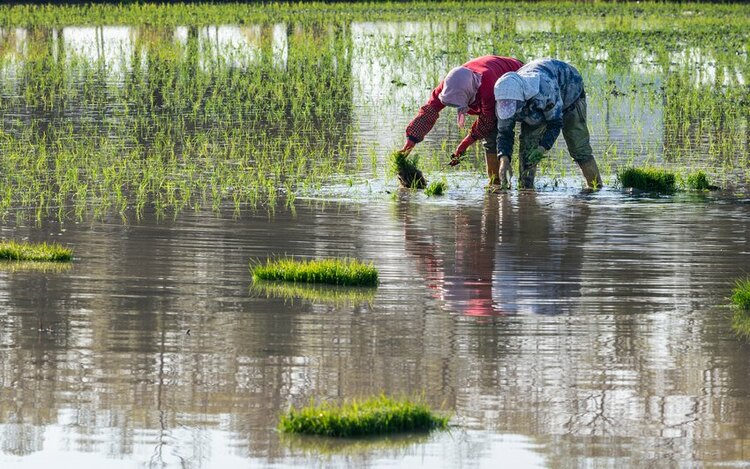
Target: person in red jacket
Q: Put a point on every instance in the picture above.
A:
(470, 90)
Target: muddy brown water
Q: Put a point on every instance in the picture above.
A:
(559, 329)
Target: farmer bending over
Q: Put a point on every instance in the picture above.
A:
(547, 96)
(469, 89)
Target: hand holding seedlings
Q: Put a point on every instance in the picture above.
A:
(536, 155)
(405, 168)
(455, 159)
(408, 147)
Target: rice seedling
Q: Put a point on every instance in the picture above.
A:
(405, 168)
(42, 252)
(147, 155)
(374, 416)
(741, 294)
(345, 272)
(175, 118)
(741, 300)
(436, 188)
(314, 293)
(698, 181)
(647, 179)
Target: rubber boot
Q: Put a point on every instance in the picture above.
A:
(493, 168)
(591, 173)
(527, 173)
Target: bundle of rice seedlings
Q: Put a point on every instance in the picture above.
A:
(648, 179)
(741, 300)
(44, 252)
(374, 416)
(698, 181)
(405, 168)
(348, 272)
(436, 188)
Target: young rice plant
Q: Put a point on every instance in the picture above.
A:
(374, 416)
(346, 272)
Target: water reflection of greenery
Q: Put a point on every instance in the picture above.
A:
(317, 445)
(33, 266)
(314, 293)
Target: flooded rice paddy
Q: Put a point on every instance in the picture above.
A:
(566, 331)
(558, 328)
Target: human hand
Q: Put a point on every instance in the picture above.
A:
(408, 146)
(455, 159)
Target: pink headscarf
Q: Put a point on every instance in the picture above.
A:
(459, 90)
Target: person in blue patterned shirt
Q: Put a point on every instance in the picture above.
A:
(547, 96)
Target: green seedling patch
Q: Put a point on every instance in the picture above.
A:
(436, 188)
(346, 272)
(374, 416)
(741, 300)
(37, 252)
(648, 179)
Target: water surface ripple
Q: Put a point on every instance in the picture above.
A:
(560, 329)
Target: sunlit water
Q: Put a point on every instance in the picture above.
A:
(559, 329)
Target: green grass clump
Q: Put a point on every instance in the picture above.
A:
(379, 415)
(647, 179)
(741, 299)
(349, 272)
(436, 188)
(741, 294)
(405, 168)
(38, 252)
(698, 181)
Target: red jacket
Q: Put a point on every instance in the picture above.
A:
(491, 67)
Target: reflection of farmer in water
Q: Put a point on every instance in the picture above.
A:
(547, 96)
(457, 265)
(468, 89)
(514, 255)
